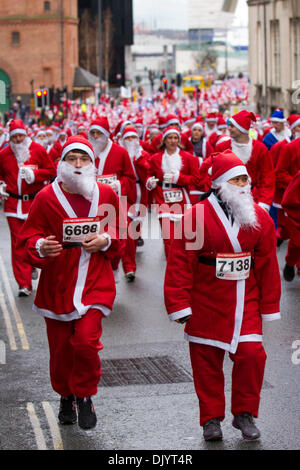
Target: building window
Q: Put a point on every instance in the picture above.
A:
(15, 38)
(296, 47)
(275, 34)
(47, 6)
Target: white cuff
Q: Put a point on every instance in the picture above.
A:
(271, 316)
(180, 313)
(106, 235)
(264, 206)
(38, 247)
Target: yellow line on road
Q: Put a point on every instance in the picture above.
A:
(13, 306)
(54, 430)
(39, 436)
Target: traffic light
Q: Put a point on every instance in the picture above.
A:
(38, 99)
(41, 98)
(165, 83)
(46, 97)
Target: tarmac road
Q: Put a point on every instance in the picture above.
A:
(133, 415)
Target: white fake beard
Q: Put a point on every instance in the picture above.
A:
(209, 131)
(242, 151)
(171, 163)
(132, 147)
(21, 151)
(78, 180)
(42, 142)
(98, 144)
(240, 202)
(285, 133)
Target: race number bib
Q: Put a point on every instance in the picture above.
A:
(233, 266)
(77, 230)
(107, 179)
(173, 195)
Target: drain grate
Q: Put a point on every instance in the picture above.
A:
(142, 371)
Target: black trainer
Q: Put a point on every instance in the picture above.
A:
(289, 273)
(87, 418)
(67, 410)
(212, 430)
(245, 423)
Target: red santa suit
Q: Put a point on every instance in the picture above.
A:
(291, 206)
(113, 166)
(76, 288)
(172, 198)
(21, 192)
(226, 315)
(137, 199)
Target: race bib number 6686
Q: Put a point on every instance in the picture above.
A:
(77, 230)
(233, 266)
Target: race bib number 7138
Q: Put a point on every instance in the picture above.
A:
(233, 266)
(77, 230)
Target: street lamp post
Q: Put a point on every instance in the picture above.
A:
(100, 47)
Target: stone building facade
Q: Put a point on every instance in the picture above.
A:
(274, 55)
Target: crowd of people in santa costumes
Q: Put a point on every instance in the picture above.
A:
(160, 156)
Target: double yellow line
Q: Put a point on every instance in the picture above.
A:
(15, 311)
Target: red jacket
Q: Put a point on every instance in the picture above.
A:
(116, 161)
(76, 280)
(43, 169)
(223, 312)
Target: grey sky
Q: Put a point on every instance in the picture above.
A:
(172, 14)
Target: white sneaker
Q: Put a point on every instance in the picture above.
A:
(24, 292)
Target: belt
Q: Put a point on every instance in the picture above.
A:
(23, 197)
(72, 245)
(172, 185)
(212, 261)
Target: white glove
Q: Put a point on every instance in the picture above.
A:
(152, 182)
(27, 174)
(3, 192)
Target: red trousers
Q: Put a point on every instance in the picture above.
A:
(22, 271)
(128, 258)
(247, 378)
(75, 365)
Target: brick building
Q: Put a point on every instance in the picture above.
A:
(39, 45)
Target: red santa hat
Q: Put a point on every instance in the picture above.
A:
(77, 142)
(224, 166)
(211, 117)
(242, 120)
(198, 125)
(16, 126)
(293, 120)
(129, 131)
(170, 130)
(221, 123)
(101, 124)
(172, 119)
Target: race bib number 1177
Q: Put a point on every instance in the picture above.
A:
(77, 230)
